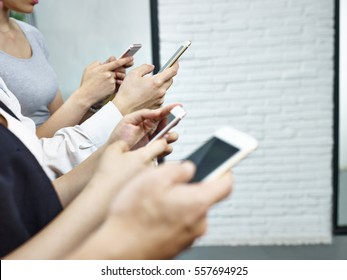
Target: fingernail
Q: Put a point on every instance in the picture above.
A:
(188, 165)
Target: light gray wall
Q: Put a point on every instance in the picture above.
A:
(79, 32)
(264, 67)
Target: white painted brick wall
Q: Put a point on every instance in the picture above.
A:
(264, 67)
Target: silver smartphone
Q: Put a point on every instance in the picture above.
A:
(223, 150)
(131, 50)
(176, 115)
(185, 45)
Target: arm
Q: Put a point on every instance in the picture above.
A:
(88, 210)
(63, 114)
(71, 145)
(70, 185)
(130, 130)
(56, 103)
(156, 216)
(98, 82)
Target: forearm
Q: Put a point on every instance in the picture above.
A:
(68, 114)
(72, 183)
(100, 244)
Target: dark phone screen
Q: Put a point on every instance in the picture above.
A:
(210, 156)
(170, 118)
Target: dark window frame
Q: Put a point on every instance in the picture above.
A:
(155, 34)
(337, 229)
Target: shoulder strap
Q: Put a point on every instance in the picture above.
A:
(7, 110)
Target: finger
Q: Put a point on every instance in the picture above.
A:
(165, 86)
(214, 191)
(151, 152)
(168, 73)
(161, 125)
(113, 65)
(111, 58)
(168, 151)
(94, 64)
(121, 70)
(175, 66)
(120, 75)
(110, 75)
(129, 64)
(155, 115)
(161, 115)
(139, 116)
(143, 69)
(165, 111)
(177, 172)
(171, 137)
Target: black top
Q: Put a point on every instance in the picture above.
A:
(28, 200)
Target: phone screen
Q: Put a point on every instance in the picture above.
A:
(170, 118)
(210, 156)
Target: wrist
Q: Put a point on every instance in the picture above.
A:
(120, 105)
(128, 247)
(112, 241)
(82, 97)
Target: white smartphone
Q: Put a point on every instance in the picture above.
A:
(176, 115)
(131, 50)
(222, 151)
(176, 55)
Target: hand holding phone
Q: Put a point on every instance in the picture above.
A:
(176, 115)
(223, 150)
(176, 55)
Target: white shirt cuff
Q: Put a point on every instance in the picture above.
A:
(101, 124)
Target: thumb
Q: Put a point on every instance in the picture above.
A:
(144, 69)
(111, 58)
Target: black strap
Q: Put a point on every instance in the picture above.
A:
(7, 110)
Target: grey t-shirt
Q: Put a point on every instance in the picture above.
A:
(32, 80)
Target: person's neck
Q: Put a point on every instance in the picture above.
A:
(5, 23)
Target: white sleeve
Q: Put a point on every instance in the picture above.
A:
(71, 145)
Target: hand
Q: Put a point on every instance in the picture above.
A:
(118, 165)
(170, 137)
(135, 128)
(157, 215)
(120, 72)
(139, 91)
(99, 80)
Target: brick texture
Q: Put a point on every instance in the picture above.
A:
(266, 68)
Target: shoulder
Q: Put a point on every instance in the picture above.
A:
(31, 31)
(26, 27)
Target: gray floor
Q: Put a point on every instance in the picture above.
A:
(342, 215)
(336, 251)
